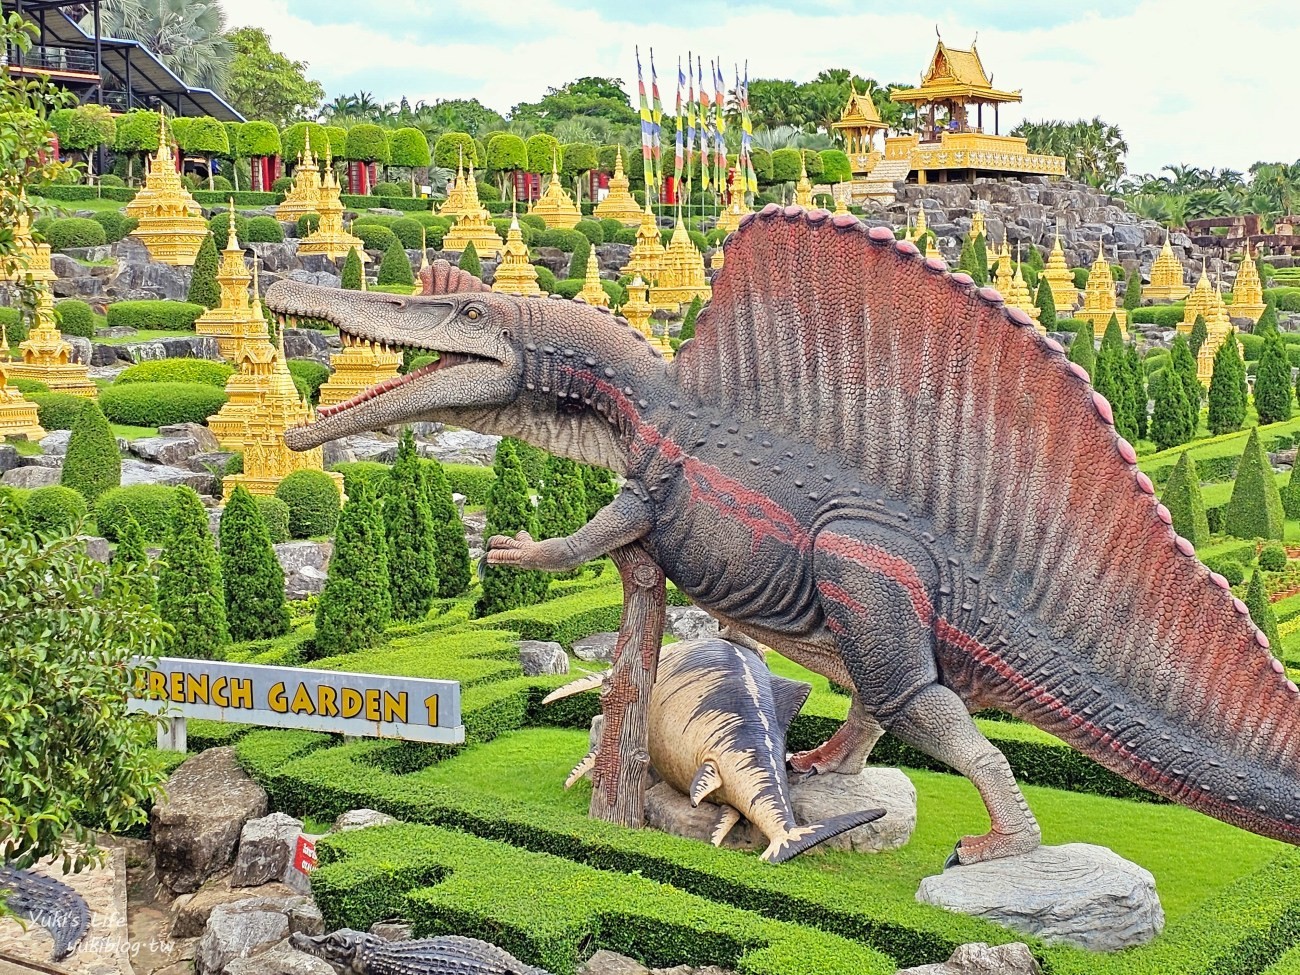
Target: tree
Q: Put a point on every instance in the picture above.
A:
(410, 150)
(1093, 150)
(355, 605)
(412, 565)
(254, 581)
(598, 488)
(352, 271)
(256, 139)
(470, 262)
(543, 153)
(190, 593)
(980, 272)
(1111, 377)
(89, 127)
(1255, 508)
(130, 562)
(1291, 494)
(579, 158)
(1132, 291)
(1273, 379)
(1261, 613)
(454, 150)
(395, 268)
(509, 511)
(188, 36)
(1227, 388)
(506, 153)
(448, 532)
(1198, 336)
(1170, 418)
(92, 464)
(1183, 366)
(588, 98)
(835, 166)
(75, 758)
(688, 322)
(265, 84)
(366, 143)
(966, 259)
(293, 141)
(204, 289)
(206, 137)
(578, 262)
(1182, 496)
(562, 507)
(136, 134)
(1082, 352)
(1135, 391)
(1046, 305)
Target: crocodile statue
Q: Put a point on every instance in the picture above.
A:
(49, 902)
(351, 952)
(884, 473)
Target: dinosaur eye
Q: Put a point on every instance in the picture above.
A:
(472, 314)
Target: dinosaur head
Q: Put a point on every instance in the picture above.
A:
(476, 337)
(341, 949)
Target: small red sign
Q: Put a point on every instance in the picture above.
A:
(304, 855)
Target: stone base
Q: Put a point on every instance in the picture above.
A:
(1076, 894)
(980, 958)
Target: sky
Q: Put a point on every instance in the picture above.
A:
(1186, 82)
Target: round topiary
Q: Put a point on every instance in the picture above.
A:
(151, 506)
(313, 500)
(54, 510)
(75, 318)
(258, 139)
(308, 224)
(266, 230)
(74, 232)
(1272, 558)
(177, 371)
(116, 225)
(308, 376)
(545, 279)
(565, 240)
(220, 184)
(161, 404)
(275, 513)
(410, 232)
(293, 140)
(109, 179)
(282, 184)
(409, 148)
(592, 230)
(390, 189)
(220, 227)
(374, 236)
(367, 142)
(1230, 569)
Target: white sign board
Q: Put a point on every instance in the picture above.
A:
(365, 705)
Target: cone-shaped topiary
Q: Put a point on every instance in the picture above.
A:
(254, 581)
(352, 271)
(92, 464)
(1138, 390)
(980, 272)
(1273, 400)
(509, 511)
(688, 323)
(1291, 494)
(562, 507)
(598, 487)
(190, 594)
(578, 262)
(1046, 306)
(1198, 335)
(1182, 496)
(1170, 425)
(1255, 508)
(204, 289)
(1183, 364)
(131, 562)
(1133, 291)
(451, 548)
(469, 260)
(395, 268)
(1082, 352)
(354, 607)
(412, 565)
(1260, 611)
(1110, 375)
(1227, 388)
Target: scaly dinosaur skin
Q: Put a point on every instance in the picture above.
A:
(879, 470)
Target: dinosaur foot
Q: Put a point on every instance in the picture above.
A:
(832, 756)
(993, 845)
(520, 552)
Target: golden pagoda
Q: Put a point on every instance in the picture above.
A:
(718, 260)
(1166, 277)
(47, 358)
(841, 202)
(357, 366)
(1198, 302)
(171, 225)
(1217, 327)
(592, 293)
(1003, 276)
(729, 219)
(1099, 298)
(473, 223)
(647, 256)
(931, 249)
(681, 275)
(618, 203)
(17, 416)
(233, 322)
(555, 207)
(330, 238)
(1017, 295)
(305, 195)
(919, 228)
(637, 309)
(462, 196)
(1060, 279)
(977, 225)
(803, 191)
(515, 275)
(859, 122)
(33, 257)
(1247, 290)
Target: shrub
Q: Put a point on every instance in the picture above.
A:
(470, 480)
(204, 289)
(543, 153)
(177, 371)
(26, 386)
(58, 411)
(258, 139)
(293, 140)
(578, 262)
(390, 189)
(75, 318)
(1261, 613)
(374, 236)
(469, 261)
(598, 488)
(92, 464)
(409, 148)
(14, 325)
(367, 143)
(545, 279)
(308, 224)
(410, 232)
(116, 225)
(172, 316)
(275, 515)
(1272, 558)
(354, 607)
(1255, 508)
(220, 227)
(1227, 389)
(313, 500)
(220, 184)
(1230, 569)
(54, 510)
(509, 511)
(309, 376)
(254, 581)
(190, 594)
(450, 548)
(835, 166)
(74, 232)
(562, 507)
(282, 184)
(565, 240)
(1166, 316)
(1182, 496)
(395, 268)
(408, 523)
(131, 563)
(1273, 378)
(506, 152)
(264, 230)
(161, 403)
(592, 230)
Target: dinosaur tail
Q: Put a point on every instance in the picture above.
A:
(796, 840)
(51, 903)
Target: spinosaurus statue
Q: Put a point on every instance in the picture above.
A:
(881, 471)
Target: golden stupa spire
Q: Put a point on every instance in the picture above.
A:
(1099, 297)
(555, 207)
(46, 357)
(1166, 276)
(1059, 277)
(647, 254)
(618, 203)
(1018, 295)
(235, 321)
(171, 224)
(515, 275)
(18, 416)
(681, 272)
(1248, 290)
(803, 191)
(592, 293)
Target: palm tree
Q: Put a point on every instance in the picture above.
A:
(188, 36)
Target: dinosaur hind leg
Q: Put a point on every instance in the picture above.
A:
(845, 751)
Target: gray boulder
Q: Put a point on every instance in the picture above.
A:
(8, 458)
(355, 819)
(668, 811)
(461, 447)
(1076, 894)
(981, 958)
(195, 830)
(80, 349)
(96, 547)
(304, 583)
(266, 852)
(597, 647)
(175, 444)
(282, 959)
(304, 343)
(188, 914)
(140, 472)
(32, 477)
(538, 657)
(297, 555)
(817, 798)
(689, 623)
(396, 930)
(55, 443)
(239, 930)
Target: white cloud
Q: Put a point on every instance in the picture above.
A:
(1184, 85)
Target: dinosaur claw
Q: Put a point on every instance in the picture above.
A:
(954, 858)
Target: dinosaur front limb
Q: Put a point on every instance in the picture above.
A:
(621, 522)
(845, 751)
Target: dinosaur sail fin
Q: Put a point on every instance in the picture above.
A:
(788, 697)
(706, 780)
(802, 838)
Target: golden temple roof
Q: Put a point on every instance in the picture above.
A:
(18, 417)
(1060, 278)
(619, 204)
(859, 112)
(555, 207)
(1099, 297)
(330, 237)
(1166, 276)
(1198, 302)
(681, 274)
(956, 75)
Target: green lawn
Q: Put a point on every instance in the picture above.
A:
(146, 335)
(69, 207)
(132, 433)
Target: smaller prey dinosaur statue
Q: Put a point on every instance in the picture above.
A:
(351, 952)
(718, 720)
(885, 474)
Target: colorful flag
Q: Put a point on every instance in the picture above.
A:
(719, 121)
(747, 134)
(677, 158)
(646, 140)
(705, 133)
(689, 120)
(656, 119)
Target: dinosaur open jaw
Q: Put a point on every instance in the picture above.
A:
(445, 361)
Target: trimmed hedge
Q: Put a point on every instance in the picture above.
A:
(275, 513)
(244, 198)
(75, 318)
(177, 371)
(470, 480)
(74, 232)
(151, 505)
(354, 202)
(157, 404)
(313, 500)
(266, 230)
(76, 194)
(54, 510)
(58, 411)
(173, 316)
